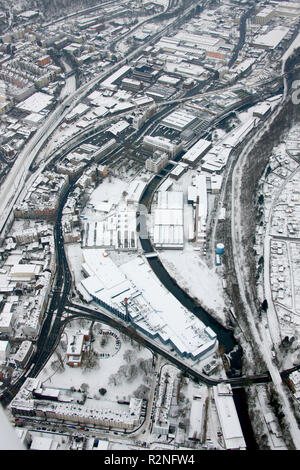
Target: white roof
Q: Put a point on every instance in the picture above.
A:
(196, 419)
(168, 217)
(170, 200)
(43, 443)
(118, 127)
(168, 236)
(178, 119)
(167, 316)
(272, 38)
(30, 269)
(34, 118)
(107, 282)
(236, 136)
(75, 344)
(118, 74)
(135, 190)
(231, 428)
(196, 150)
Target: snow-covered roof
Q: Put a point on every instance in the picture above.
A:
(272, 38)
(230, 424)
(36, 102)
(197, 150)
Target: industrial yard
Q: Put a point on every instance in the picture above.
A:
(149, 228)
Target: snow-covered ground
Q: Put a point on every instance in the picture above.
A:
(193, 275)
(278, 242)
(187, 266)
(258, 330)
(100, 375)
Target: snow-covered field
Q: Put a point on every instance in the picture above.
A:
(194, 276)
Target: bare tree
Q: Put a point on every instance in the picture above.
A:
(141, 392)
(128, 355)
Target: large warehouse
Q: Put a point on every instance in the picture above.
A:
(271, 39)
(230, 424)
(179, 120)
(196, 152)
(151, 308)
(168, 221)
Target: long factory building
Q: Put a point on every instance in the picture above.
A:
(132, 292)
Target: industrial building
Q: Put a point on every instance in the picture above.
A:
(7, 319)
(196, 152)
(144, 73)
(149, 306)
(167, 384)
(109, 83)
(24, 272)
(264, 16)
(74, 350)
(4, 351)
(42, 200)
(236, 136)
(271, 39)
(104, 281)
(197, 416)
(179, 120)
(216, 159)
(168, 80)
(179, 170)
(168, 230)
(135, 191)
(131, 84)
(230, 425)
(115, 231)
(197, 195)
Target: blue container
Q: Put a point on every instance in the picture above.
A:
(220, 249)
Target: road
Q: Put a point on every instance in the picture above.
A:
(257, 333)
(15, 180)
(49, 337)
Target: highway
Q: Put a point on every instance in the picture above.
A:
(12, 186)
(55, 321)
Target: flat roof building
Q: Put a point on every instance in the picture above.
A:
(150, 307)
(197, 416)
(265, 15)
(24, 272)
(168, 220)
(74, 350)
(179, 120)
(196, 152)
(230, 424)
(271, 39)
(178, 170)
